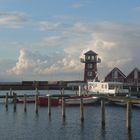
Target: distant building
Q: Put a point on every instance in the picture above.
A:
(131, 81)
(115, 76)
(134, 77)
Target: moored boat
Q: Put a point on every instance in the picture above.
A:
(28, 99)
(107, 88)
(43, 101)
(75, 100)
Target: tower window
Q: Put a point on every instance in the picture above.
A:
(88, 57)
(92, 57)
(90, 73)
(90, 66)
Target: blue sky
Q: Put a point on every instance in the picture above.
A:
(44, 39)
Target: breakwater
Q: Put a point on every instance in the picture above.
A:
(41, 85)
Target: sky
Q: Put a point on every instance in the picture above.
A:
(45, 39)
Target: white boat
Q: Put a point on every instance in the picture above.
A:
(107, 88)
(28, 99)
(75, 100)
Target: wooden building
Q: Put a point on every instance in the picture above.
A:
(115, 75)
(133, 77)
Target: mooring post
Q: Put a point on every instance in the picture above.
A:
(15, 101)
(36, 103)
(81, 109)
(63, 91)
(128, 115)
(25, 100)
(6, 101)
(79, 90)
(49, 105)
(103, 112)
(63, 108)
(137, 89)
(10, 92)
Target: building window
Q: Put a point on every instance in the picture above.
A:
(92, 57)
(135, 74)
(88, 57)
(90, 66)
(90, 73)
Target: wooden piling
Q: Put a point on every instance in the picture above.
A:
(103, 112)
(6, 101)
(49, 105)
(63, 108)
(15, 101)
(81, 109)
(137, 89)
(10, 92)
(79, 90)
(128, 115)
(62, 91)
(36, 103)
(25, 100)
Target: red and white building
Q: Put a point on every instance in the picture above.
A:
(90, 70)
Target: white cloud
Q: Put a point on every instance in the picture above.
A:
(116, 44)
(13, 19)
(53, 40)
(27, 63)
(35, 64)
(49, 26)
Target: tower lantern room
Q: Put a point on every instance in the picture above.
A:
(90, 70)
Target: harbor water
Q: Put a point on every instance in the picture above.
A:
(28, 125)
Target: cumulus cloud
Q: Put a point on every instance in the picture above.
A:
(116, 44)
(13, 19)
(29, 63)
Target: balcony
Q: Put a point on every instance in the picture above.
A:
(98, 60)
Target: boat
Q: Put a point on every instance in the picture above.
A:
(28, 99)
(75, 100)
(106, 88)
(43, 101)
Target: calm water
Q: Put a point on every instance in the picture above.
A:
(29, 126)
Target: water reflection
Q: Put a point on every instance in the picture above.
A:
(103, 132)
(129, 135)
(64, 121)
(49, 118)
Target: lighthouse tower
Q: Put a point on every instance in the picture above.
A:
(90, 71)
